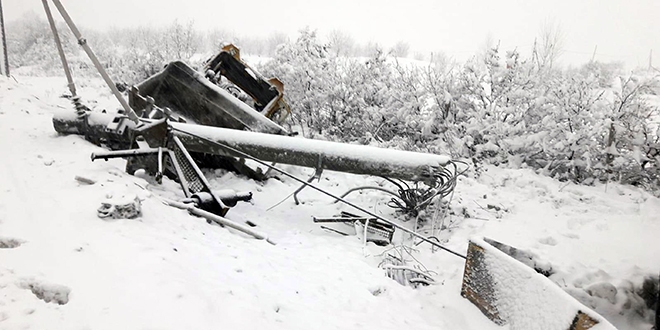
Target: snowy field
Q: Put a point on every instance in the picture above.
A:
(169, 270)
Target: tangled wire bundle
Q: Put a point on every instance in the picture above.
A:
(411, 200)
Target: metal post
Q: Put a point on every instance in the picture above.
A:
(657, 307)
(60, 50)
(4, 43)
(593, 57)
(83, 43)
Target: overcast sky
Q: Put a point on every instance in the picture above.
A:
(622, 30)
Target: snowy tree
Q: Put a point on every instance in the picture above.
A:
(400, 49)
(181, 41)
(30, 43)
(549, 46)
(341, 43)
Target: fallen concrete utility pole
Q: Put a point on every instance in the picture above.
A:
(318, 154)
(179, 130)
(333, 156)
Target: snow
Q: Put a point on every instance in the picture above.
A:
(169, 270)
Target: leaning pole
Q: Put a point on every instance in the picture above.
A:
(4, 66)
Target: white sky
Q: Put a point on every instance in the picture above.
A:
(623, 30)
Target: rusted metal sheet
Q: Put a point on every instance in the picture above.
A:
(583, 321)
(267, 94)
(478, 284)
(509, 290)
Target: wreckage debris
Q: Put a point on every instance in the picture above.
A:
(228, 197)
(220, 220)
(508, 291)
(84, 180)
(196, 99)
(267, 94)
(179, 117)
(177, 95)
(124, 208)
(405, 275)
(375, 231)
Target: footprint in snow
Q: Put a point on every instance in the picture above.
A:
(571, 235)
(548, 241)
(48, 292)
(10, 243)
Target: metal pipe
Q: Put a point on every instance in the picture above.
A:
(218, 219)
(83, 43)
(243, 154)
(60, 50)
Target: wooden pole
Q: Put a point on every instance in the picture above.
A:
(4, 43)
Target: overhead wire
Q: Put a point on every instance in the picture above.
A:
(243, 154)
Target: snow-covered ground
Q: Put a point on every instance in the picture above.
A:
(169, 270)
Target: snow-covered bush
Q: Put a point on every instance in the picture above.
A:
(129, 55)
(633, 141)
(308, 72)
(502, 108)
(141, 52)
(348, 99)
(30, 44)
(498, 108)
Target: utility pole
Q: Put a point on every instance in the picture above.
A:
(83, 43)
(60, 50)
(651, 60)
(593, 57)
(4, 69)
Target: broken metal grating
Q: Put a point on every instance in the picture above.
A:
(195, 183)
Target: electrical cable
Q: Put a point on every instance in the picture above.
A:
(243, 154)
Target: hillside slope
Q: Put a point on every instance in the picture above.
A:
(169, 270)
